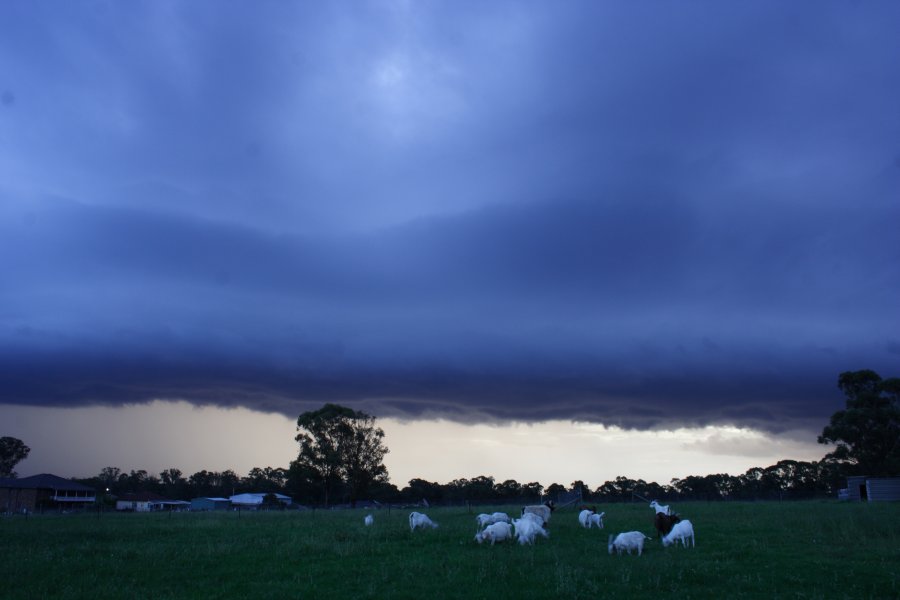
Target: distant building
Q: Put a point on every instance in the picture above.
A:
(871, 489)
(148, 502)
(210, 504)
(256, 500)
(44, 491)
(140, 502)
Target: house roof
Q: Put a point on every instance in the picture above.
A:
(45, 481)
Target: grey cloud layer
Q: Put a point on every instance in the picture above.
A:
(641, 217)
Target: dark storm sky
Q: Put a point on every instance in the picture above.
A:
(639, 214)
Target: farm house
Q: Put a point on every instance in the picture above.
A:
(871, 489)
(210, 504)
(43, 491)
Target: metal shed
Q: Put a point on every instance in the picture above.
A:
(871, 489)
(210, 504)
(883, 489)
(855, 490)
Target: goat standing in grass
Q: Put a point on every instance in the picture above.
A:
(541, 510)
(683, 531)
(496, 532)
(419, 521)
(659, 508)
(626, 542)
(584, 518)
(484, 519)
(664, 523)
(529, 526)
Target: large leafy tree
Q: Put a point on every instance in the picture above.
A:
(12, 452)
(866, 434)
(340, 446)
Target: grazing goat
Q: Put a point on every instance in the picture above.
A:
(597, 520)
(536, 519)
(584, 518)
(527, 527)
(541, 510)
(681, 531)
(484, 519)
(420, 521)
(664, 523)
(369, 520)
(496, 532)
(628, 541)
(659, 508)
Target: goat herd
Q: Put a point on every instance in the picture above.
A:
(498, 527)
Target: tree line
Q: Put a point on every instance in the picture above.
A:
(788, 479)
(341, 460)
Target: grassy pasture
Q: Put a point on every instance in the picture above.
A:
(744, 550)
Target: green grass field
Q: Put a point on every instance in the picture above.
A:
(744, 550)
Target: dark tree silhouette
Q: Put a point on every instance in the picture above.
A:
(12, 452)
(341, 446)
(867, 433)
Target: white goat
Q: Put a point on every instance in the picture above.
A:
(419, 521)
(496, 532)
(529, 526)
(584, 517)
(596, 519)
(659, 508)
(541, 510)
(683, 530)
(484, 519)
(628, 541)
(537, 520)
(369, 520)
